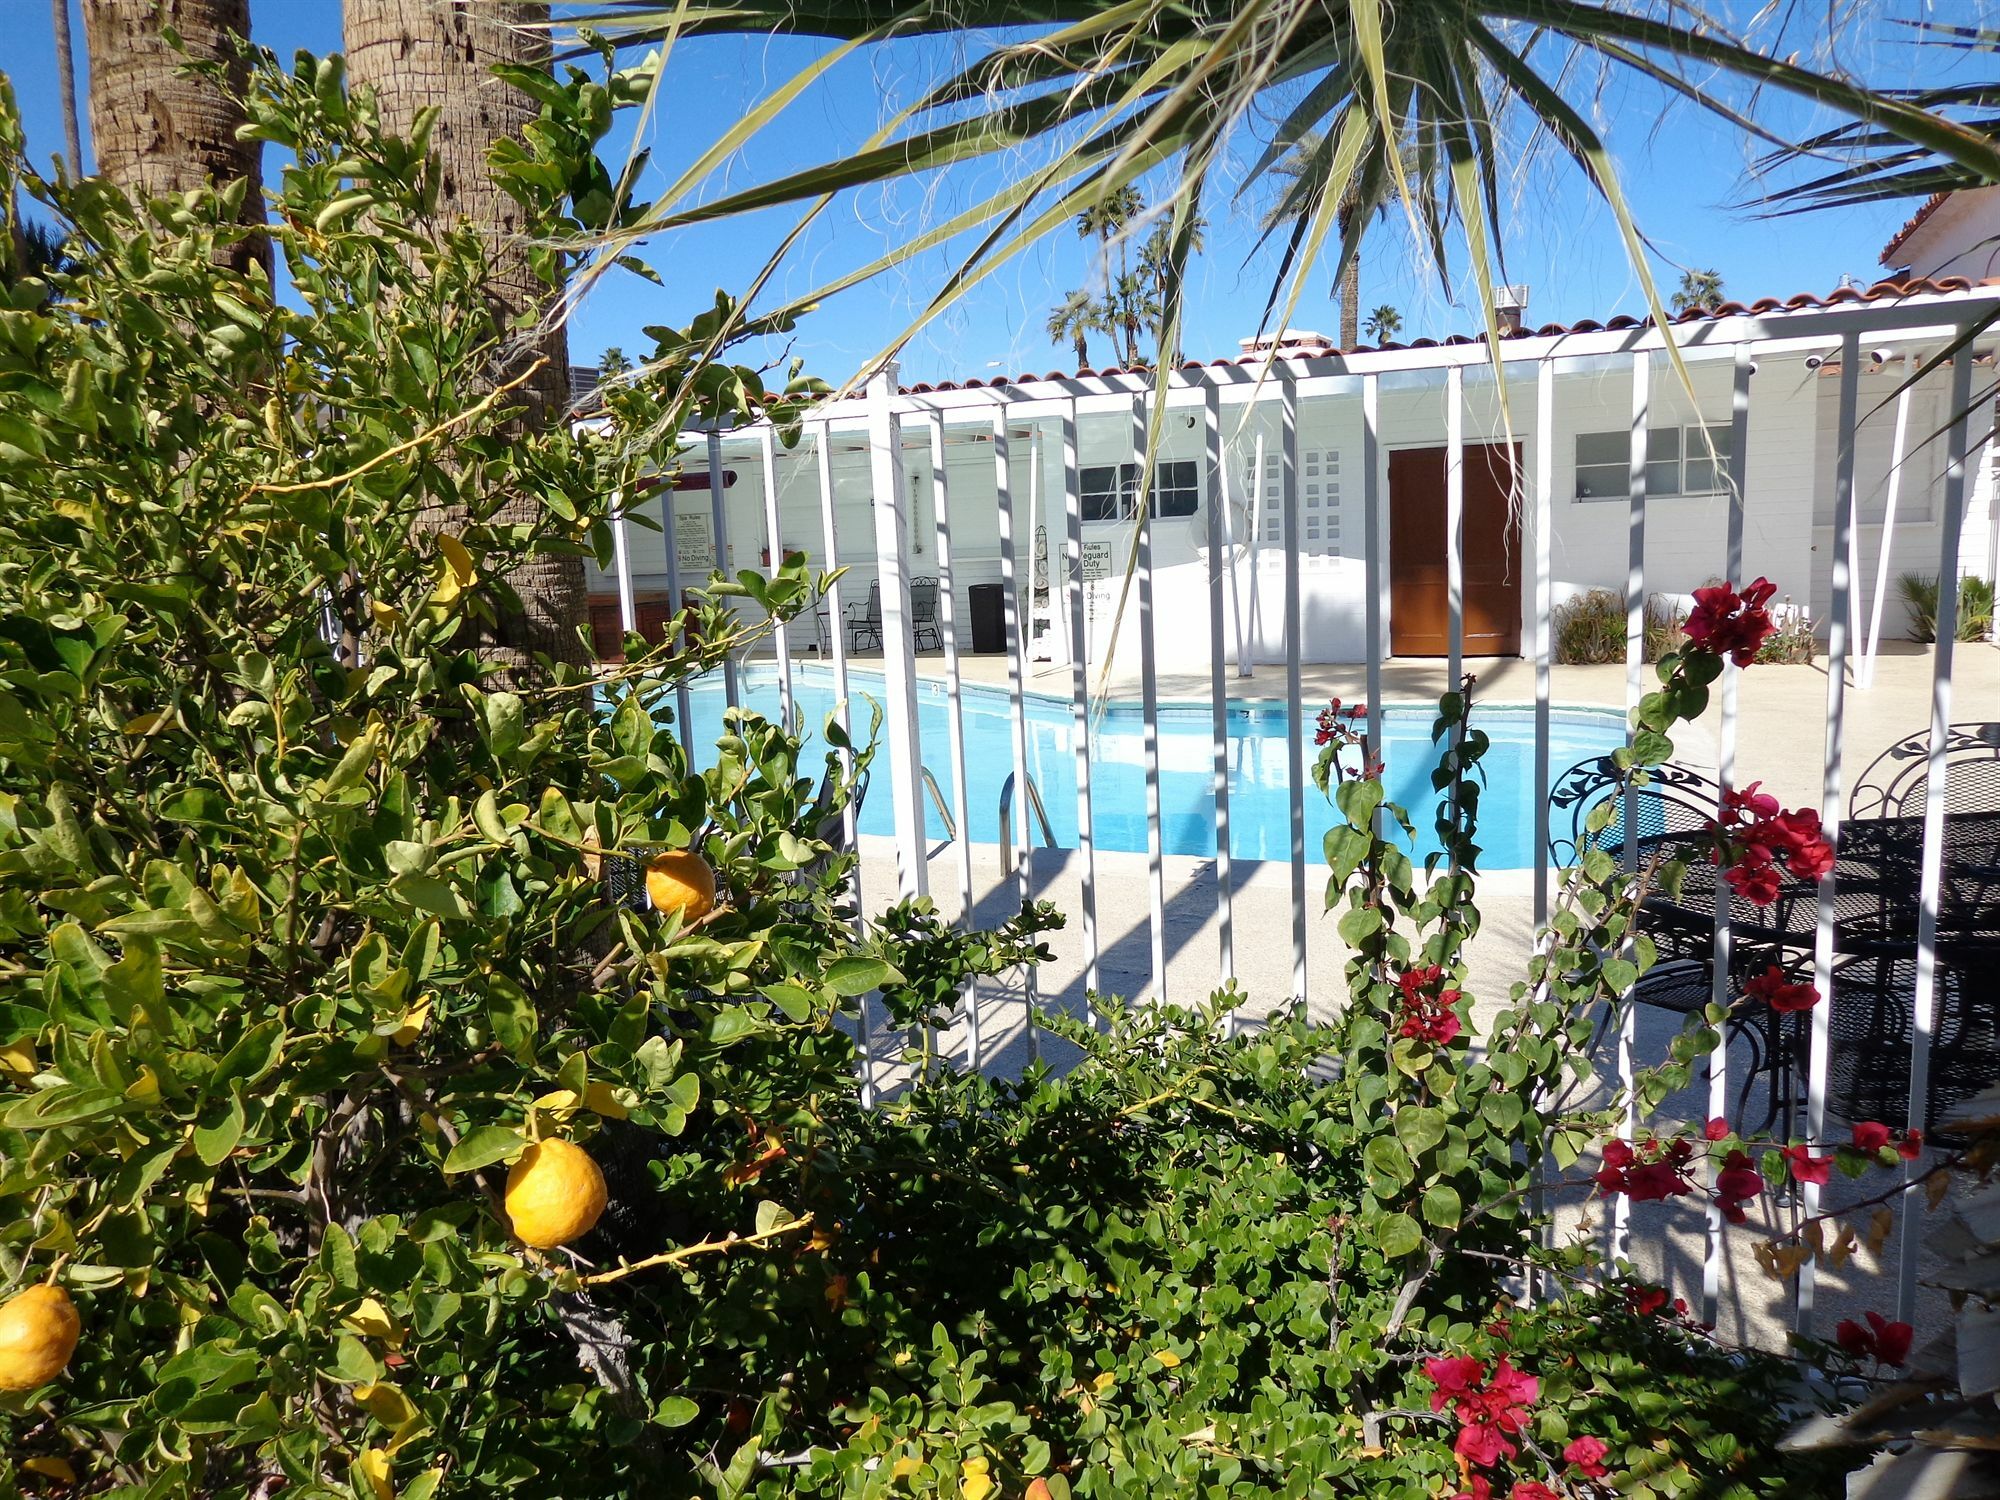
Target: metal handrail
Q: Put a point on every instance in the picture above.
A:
(937, 800)
(1007, 821)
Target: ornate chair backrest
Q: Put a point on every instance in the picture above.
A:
(874, 615)
(1897, 781)
(923, 601)
(1676, 800)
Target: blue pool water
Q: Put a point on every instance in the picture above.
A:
(1259, 779)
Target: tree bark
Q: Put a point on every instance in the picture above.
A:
(66, 85)
(419, 54)
(159, 129)
(1350, 288)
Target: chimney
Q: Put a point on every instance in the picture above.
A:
(1509, 303)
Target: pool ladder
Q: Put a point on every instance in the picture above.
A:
(1007, 820)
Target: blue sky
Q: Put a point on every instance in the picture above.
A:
(1683, 171)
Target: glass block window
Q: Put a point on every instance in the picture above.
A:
(1319, 501)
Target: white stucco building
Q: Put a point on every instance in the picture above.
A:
(1788, 354)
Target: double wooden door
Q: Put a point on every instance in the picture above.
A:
(1419, 580)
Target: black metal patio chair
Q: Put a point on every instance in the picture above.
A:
(863, 622)
(1896, 782)
(924, 614)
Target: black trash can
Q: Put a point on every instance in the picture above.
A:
(988, 603)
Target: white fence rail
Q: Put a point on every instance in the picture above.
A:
(1227, 403)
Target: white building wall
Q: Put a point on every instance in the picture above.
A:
(1787, 521)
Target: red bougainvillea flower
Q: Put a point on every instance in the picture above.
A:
(1911, 1146)
(1726, 623)
(1717, 1129)
(1478, 1487)
(1780, 993)
(1647, 1173)
(1531, 1489)
(1881, 1340)
(1871, 1136)
(1644, 1301)
(1736, 1184)
(1805, 1167)
(1759, 884)
(1454, 1377)
(1427, 1008)
(1483, 1446)
(1586, 1456)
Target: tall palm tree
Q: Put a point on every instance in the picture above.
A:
(1698, 289)
(1384, 324)
(1105, 91)
(66, 85)
(435, 54)
(160, 127)
(1106, 221)
(1073, 322)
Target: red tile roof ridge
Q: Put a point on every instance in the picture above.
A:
(1911, 225)
(1880, 291)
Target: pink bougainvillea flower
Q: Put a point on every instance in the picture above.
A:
(1727, 623)
(1780, 993)
(1586, 1456)
(1911, 1146)
(1477, 1487)
(1717, 1129)
(1805, 1167)
(1483, 1446)
(1531, 1489)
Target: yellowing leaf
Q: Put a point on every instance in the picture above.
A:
(1878, 1229)
(904, 1467)
(1105, 1381)
(151, 723)
(146, 1088)
(974, 1483)
(17, 1060)
(557, 1101)
(385, 615)
(458, 572)
(372, 1320)
(53, 1468)
(1167, 1358)
(415, 1019)
(375, 1467)
(602, 1099)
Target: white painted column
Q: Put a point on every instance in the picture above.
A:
(904, 763)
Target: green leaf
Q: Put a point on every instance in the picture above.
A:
(483, 1147)
(675, 1411)
(1398, 1235)
(1419, 1127)
(218, 1133)
(858, 975)
(1442, 1207)
(1387, 1157)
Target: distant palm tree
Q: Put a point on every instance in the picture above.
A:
(1698, 289)
(1136, 301)
(1384, 324)
(1105, 221)
(1303, 164)
(1074, 322)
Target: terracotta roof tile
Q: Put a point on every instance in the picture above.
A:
(1799, 302)
(1911, 225)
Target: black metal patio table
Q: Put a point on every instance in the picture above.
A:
(1877, 882)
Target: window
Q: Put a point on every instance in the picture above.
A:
(1319, 501)
(1678, 462)
(1107, 490)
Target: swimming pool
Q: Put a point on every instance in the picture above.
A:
(1259, 778)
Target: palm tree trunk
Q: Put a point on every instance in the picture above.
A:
(1082, 351)
(420, 54)
(66, 85)
(1350, 288)
(160, 129)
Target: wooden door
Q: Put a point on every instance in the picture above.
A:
(1419, 589)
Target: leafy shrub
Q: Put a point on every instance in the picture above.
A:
(1588, 629)
(307, 935)
(1975, 606)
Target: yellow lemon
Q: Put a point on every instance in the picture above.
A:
(38, 1332)
(680, 880)
(554, 1194)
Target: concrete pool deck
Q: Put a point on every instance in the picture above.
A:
(1781, 739)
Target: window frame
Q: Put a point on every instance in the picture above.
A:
(1687, 455)
(1124, 483)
